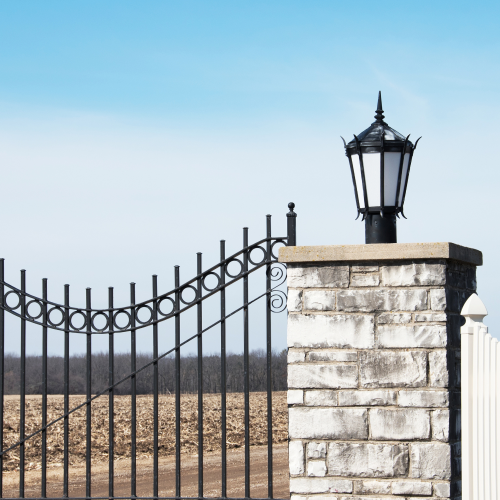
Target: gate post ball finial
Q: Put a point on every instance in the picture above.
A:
(380, 160)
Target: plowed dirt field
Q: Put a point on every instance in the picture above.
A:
(122, 418)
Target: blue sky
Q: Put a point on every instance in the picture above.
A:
(134, 134)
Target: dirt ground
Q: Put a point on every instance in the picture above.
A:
(189, 476)
(189, 442)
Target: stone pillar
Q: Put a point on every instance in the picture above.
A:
(373, 369)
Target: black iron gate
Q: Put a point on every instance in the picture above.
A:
(132, 318)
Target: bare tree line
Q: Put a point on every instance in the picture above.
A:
(144, 380)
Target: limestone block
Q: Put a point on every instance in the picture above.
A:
(456, 279)
(327, 423)
(440, 425)
(372, 487)
(316, 450)
(455, 398)
(401, 425)
(362, 498)
(316, 468)
(430, 317)
(364, 269)
(456, 466)
(471, 278)
(455, 431)
(413, 275)
(296, 457)
(367, 398)
(412, 488)
(424, 399)
(411, 336)
(390, 318)
(323, 485)
(365, 280)
(393, 369)
(454, 368)
(381, 300)
(320, 398)
(430, 461)
(339, 331)
(324, 497)
(295, 397)
(314, 276)
(456, 487)
(295, 356)
(453, 326)
(442, 490)
(438, 369)
(367, 460)
(319, 300)
(294, 301)
(455, 299)
(438, 299)
(341, 355)
(316, 376)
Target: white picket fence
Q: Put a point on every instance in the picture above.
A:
(480, 406)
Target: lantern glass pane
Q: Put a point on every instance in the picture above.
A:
(391, 171)
(403, 177)
(359, 183)
(371, 163)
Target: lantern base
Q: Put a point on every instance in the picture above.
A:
(380, 229)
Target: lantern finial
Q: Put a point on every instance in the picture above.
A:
(379, 117)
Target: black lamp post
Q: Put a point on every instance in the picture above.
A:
(380, 160)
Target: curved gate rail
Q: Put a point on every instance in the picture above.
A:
(69, 319)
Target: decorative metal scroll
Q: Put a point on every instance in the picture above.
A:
(130, 318)
(277, 298)
(61, 317)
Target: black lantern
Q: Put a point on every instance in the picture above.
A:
(380, 160)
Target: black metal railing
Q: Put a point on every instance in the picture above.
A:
(41, 311)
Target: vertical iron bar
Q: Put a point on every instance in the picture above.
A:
(111, 381)
(177, 385)
(44, 388)
(291, 226)
(269, 360)
(223, 367)
(66, 391)
(155, 387)
(246, 364)
(200, 377)
(22, 416)
(133, 390)
(2, 365)
(88, 444)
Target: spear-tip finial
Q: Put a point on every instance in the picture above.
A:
(379, 116)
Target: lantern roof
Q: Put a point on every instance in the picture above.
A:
(378, 131)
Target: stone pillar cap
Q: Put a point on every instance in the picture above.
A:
(381, 251)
